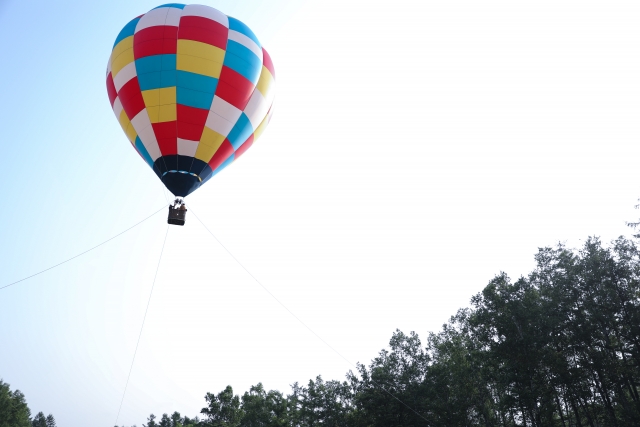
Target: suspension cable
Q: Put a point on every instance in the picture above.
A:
(300, 320)
(82, 253)
(142, 326)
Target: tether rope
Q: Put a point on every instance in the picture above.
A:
(142, 326)
(299, 320)
(82, 253)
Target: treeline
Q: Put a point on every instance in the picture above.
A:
(14, 411)
(560, 347)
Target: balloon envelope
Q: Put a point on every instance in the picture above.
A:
(192, 89)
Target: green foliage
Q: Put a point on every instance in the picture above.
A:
(165, 421)
(14, 411)
(151, 421)
(559, 347)
(389, 392)
(39, 420)
(264, 409)
(51, 422)
(320, 403)
(175, 420)
(223, 409)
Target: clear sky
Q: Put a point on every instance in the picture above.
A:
(417, 149)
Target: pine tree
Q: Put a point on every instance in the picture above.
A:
(14, 411)
(165, 421)
(151, 421)
(39, 420)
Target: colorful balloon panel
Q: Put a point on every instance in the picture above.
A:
(192, 89)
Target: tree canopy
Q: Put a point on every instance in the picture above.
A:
(558, 347)
(14, 411)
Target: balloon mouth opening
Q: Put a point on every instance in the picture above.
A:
(183, 172)
(181, 183)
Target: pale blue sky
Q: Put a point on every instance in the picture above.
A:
(417, 149)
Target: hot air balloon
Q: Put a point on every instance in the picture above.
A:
(192, 89)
